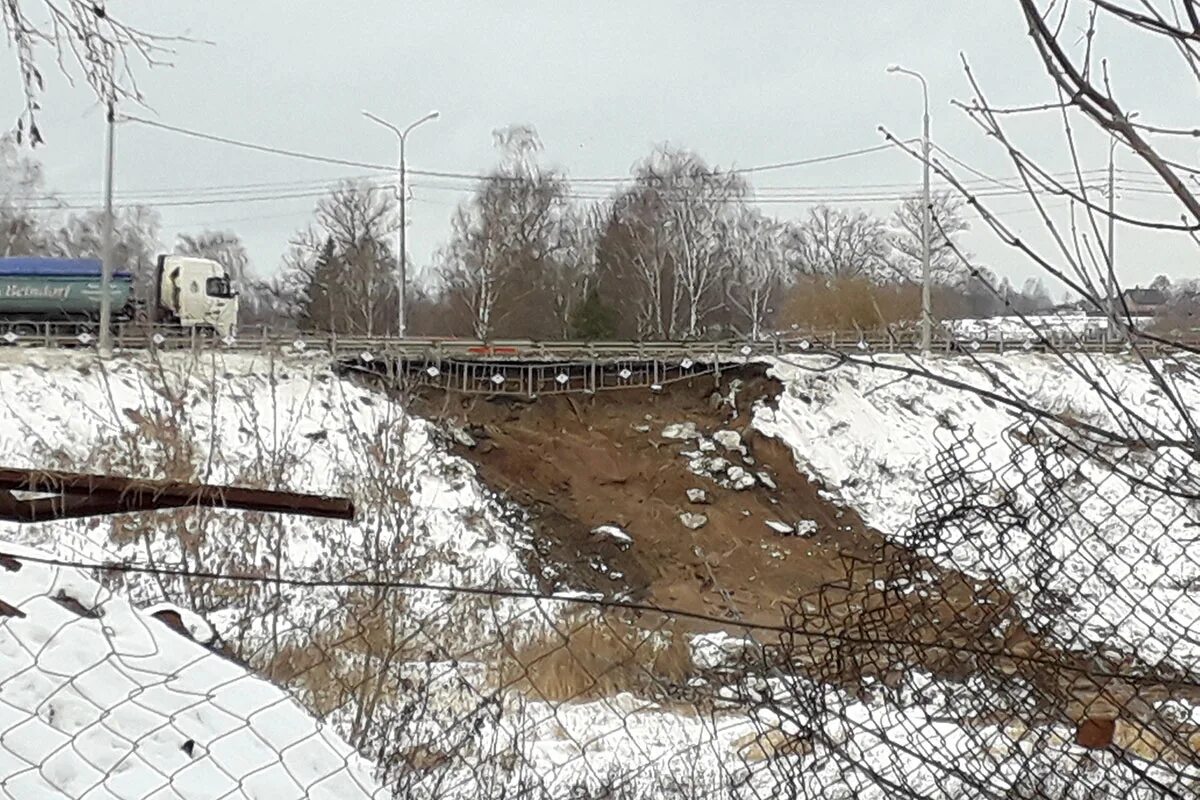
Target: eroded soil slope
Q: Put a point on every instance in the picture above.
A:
(618, 459)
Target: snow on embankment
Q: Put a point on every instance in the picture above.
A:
(253, 420)
(1016, 330)
(248, 420)
(894, 446)
(100, 700)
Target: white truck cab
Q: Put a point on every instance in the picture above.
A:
(197, 293)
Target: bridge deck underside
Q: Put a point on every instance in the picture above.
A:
(534, 378)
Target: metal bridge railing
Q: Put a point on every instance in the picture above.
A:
(345, 346)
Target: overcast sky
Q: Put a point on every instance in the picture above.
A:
(743, 84)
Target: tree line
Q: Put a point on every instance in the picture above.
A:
(679, 251)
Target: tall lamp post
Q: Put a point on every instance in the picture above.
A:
(926, 212)
(1110, 282)
(106, 266)
(402, 135)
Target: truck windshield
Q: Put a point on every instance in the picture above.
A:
(218, 287)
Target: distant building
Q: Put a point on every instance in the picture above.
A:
(1072, 307)
(1144, 302)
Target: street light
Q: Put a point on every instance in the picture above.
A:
(402, 135)
(104, 345)
(926, 212)
(1110, 279)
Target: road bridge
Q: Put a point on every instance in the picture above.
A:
(531, 368)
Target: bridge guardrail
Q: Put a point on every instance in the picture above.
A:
(137, 337)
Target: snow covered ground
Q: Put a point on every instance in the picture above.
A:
(250, 420)
(805, 742)
(101, 701)
(1089, 528)
(871, 436)
(1016, 329)
(289, 424)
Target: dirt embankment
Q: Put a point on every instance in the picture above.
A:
(577, 463)
(865, 611)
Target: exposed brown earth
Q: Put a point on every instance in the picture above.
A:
(579, 462)
(862, 611)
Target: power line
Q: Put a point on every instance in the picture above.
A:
(817, 160)
(343, 162)
(820, 193)
(129, 567)
(815, 196)
(467, 175)
(168, 192)
(361, 583)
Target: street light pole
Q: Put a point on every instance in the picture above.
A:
(926, 213)
(401, 235)
(1110, 289)
(106, 269)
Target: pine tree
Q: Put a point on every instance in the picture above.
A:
(317, 309)
(593, 319)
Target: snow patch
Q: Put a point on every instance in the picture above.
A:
(614, 532)
(681, 430)
(120, 706)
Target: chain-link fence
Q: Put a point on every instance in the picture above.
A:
(1031, 630)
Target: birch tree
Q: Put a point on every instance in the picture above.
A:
(667, 246)
(508, 258)
(637, 266)
(756, 270)
(342, 266)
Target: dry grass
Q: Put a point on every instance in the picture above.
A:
(351, 658)
(847, 303)
(590, 657)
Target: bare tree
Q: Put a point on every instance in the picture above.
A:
(756, 270)
(135, 243)
(947, 267)
(636, 263)
(667, 247)
(508, 261)
(341, 269)
(80, 36)
(833, 243)
(224, 247)
(22, 200)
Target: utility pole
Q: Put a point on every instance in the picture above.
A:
(1110, 289)
(402, 310)
(926, 214)
(106, 269)
(401, 235)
